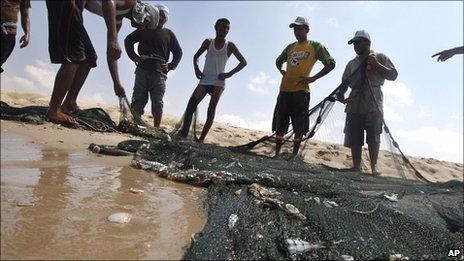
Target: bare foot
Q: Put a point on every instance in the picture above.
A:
(61, 118)
(69, 108)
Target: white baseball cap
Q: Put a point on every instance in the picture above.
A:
(300, 21)
(361, 34)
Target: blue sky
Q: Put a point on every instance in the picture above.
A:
(423, 107)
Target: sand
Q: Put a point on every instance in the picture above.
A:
(333, 155)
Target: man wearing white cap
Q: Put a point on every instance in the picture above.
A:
(364, 106)
(294, 96)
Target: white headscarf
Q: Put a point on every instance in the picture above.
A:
(163, 8)
(145, 11)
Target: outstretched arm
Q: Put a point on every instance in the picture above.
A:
(25, 24)
(242, 62)
(113, 50)
(204, 46)
(446, 54)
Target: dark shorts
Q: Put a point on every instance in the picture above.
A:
(356, 124)
(68, 41)
(210, 88)
(294, 106)
(8, 43)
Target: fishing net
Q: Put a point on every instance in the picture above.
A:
(275, 208)
(94, 119)
(326, 124)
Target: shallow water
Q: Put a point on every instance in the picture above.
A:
(73, 192)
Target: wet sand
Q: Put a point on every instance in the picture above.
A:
(55, 201)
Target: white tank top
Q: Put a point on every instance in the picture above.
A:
(215, 64)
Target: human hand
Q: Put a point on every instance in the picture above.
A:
(165, 67)
(444, 55)
(24, 40)
(372, 62)
(113, 50)
(119, 90)
(223, 76)
(137, 60)
(199, 74)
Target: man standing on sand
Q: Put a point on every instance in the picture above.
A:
(9, 19)
(154, 48)
(212, 79)
(294, 96)
(70, 46)
(364, 106)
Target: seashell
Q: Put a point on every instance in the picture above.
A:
(135, 191)
(232, 220)
(318, 201)
(237, 193)
(347, 258)
(298, 246)
(120, 217)
(393, 197)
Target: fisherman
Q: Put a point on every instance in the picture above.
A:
(212, 78)
(154, 48)
(294, 95)
(446, 54)
(70, 46)
(9, 19)
(364, 106)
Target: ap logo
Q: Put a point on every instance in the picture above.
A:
(454, 252)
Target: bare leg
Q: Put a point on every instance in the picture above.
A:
(63, 82)
(70, 102)
(215, 96)
(356, 155)
(195, 99)
(296, 144)
(279, 141)
(373, 155)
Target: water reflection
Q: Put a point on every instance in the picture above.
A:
(75, 192)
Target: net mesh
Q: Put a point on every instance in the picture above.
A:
(342, 213)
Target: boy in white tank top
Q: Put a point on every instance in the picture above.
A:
(212, 79)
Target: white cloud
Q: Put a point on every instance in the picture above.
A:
(42, 73)
(397, 93)
(238, 121)
(332, 21)
(441, 140)
(17, 83)
(261, 83)
(265, 125)
(233, 120)
(391, 115)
